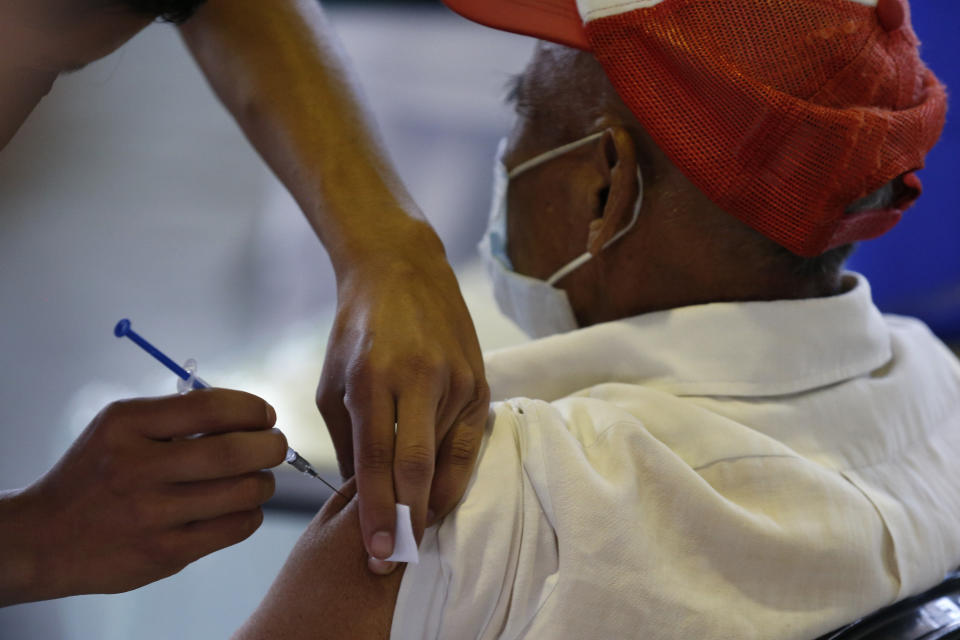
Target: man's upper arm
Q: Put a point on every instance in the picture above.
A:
(325, 589)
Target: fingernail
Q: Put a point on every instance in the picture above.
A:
(381, 545)
(271, 415)
(431, 517)
(380, 567)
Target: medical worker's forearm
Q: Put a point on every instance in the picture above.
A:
(277, 67)
(20, 91)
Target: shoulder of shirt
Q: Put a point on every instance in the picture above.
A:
(580, 417)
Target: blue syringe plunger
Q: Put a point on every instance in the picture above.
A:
(122, 328)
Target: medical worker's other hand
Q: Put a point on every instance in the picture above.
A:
(403, 351)
(134, 500)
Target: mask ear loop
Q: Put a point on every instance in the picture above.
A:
(578, 262)
(553, 153)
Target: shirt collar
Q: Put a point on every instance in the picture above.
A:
(730, 349)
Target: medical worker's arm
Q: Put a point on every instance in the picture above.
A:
(134, 501)
(403, 349)
(324, 590)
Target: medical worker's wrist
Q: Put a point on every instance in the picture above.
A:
(403, 240)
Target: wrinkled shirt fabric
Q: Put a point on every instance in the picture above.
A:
(720, 471)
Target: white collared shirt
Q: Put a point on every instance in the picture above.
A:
(730, 471)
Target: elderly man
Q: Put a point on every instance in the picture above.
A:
(718, 435)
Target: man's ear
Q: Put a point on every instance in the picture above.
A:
(616, 160)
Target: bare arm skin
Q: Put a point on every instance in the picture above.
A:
(21, 90)
(41, 38)
(276, 66)
(133, 501)
(324, 589)
(403, 348)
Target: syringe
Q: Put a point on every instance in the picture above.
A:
(189, 380)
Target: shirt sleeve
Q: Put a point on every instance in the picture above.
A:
(485, 569)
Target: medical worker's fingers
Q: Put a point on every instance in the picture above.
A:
(222, 456)
(456, 459)
(200, 411)
(197, 539)
(462, 386)
(415, 453)
(373, 416)
(330, 402)
(458, 444)
(192, 501)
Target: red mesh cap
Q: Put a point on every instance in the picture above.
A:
(783, 112)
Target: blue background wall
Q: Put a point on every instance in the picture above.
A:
(915, 269)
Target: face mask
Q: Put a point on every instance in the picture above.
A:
(536, 306)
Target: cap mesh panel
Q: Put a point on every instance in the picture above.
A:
(782, 112)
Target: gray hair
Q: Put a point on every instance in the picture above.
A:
(883, 198)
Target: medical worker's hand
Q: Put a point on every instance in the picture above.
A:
(134, 500)
(403, 351)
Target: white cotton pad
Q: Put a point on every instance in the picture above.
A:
(404, 544)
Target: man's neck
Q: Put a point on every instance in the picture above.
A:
(701, 274)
